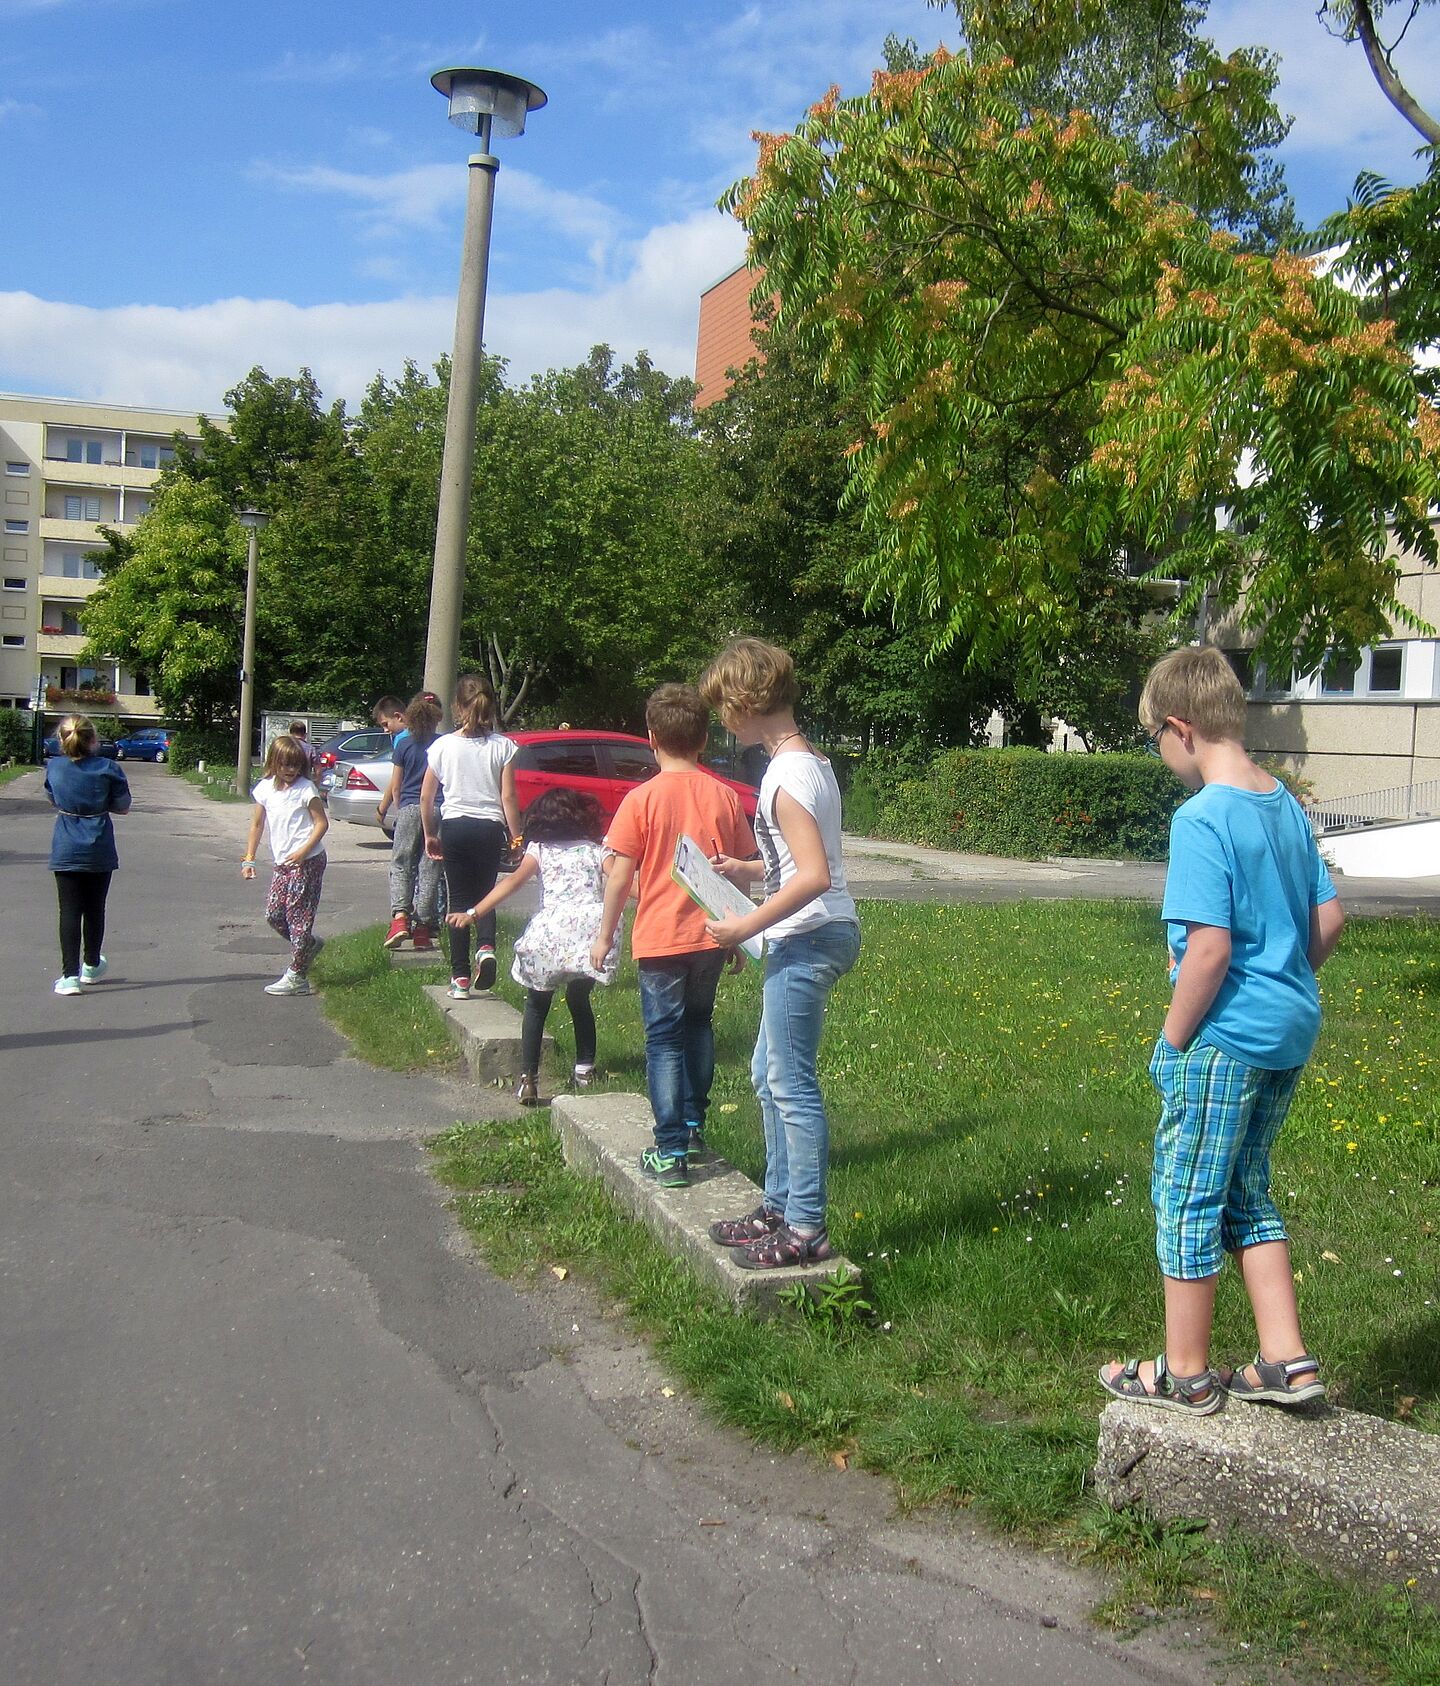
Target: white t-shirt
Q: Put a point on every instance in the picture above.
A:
(469, 772)
(288, 819)
(810, 780)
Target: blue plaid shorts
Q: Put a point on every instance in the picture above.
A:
(1211, 1181)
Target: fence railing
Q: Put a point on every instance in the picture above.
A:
(1401, 802)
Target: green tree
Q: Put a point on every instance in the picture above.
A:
(1054, 367)
(171, 601)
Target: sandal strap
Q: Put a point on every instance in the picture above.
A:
(1279, 1373)
(1187, 1387)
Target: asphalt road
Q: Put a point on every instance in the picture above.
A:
(266, 1418)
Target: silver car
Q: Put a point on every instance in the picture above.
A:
(355, 790)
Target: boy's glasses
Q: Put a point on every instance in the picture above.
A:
(1152, 741)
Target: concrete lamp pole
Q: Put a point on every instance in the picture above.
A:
(481, 101)
(252, 520)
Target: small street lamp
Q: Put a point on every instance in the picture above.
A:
(481, 102)
(252, 520)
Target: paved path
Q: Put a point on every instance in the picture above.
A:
(267, 1419)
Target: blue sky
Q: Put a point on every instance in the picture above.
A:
(198, 185)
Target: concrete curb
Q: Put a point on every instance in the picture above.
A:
(1346, 1491)
(604, 1135)
(416, 960)
(488, 1031)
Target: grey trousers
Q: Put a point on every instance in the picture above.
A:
(414, 877)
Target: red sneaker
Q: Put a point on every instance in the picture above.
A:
(399, 930)
(422, 937)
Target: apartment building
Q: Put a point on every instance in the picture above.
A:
(726, 335)
(69, 468)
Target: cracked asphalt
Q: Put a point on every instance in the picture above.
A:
(266, 1417)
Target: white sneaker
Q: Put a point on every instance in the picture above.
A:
(67, 986)
(290, 984)
(93, 974)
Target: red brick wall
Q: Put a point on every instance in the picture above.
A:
(725, 340)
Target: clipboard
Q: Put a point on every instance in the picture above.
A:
(692, 871)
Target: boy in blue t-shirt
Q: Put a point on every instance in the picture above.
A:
(1251, 916)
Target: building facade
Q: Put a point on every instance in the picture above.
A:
(726, 337)
(70, 468)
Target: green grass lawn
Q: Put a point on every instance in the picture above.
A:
(991, 1122)
(218, 783)
(9, 773)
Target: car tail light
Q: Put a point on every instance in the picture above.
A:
(326, 758)
(356, 780)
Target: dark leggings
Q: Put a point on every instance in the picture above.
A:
(82, 918)
(472, 850)
(537, 1010)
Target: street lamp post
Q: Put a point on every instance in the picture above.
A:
(481, 102)
(252, 520)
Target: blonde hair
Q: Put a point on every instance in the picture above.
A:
(286, 755)
(1197, 685)
(77, 736)
(750, 676)
(474, 706)
(677, 717)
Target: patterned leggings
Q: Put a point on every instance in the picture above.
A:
(290, 908)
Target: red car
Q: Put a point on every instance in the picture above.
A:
(606, 764)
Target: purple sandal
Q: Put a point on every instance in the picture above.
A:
(741, 1232)
(786, 1247)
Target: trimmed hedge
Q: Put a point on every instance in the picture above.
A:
(1023, 803)
(193, 744)
(15, 734)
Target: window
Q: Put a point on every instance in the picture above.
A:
(17, 526)
(74, 566)
(15, 582)
(13, 640)
(142, 685)
(82, 508)
(629, 761)
(1386, 665)
(17, 467)
(83, 450)
(575, 760)
(1337, 677)
(1243, 663)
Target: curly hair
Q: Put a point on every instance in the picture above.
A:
(422, 717)
(750, 676)
(564, 815)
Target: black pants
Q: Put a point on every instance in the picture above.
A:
(472, 863)
(82, 918)
(537, 1010)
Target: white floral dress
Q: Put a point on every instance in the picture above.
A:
(555, 946)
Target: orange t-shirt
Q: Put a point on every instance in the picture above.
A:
(647, 825)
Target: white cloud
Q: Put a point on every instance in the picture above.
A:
(1337, 106)
(17, 108)
(427, 196)
(186, 358)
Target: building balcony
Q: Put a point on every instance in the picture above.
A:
(77, 532)
(107, 475)
(66, 590)
(59, 643)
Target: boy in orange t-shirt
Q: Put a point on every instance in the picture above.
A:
(679, 964)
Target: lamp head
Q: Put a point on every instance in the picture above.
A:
(252, 519)
(476, 94)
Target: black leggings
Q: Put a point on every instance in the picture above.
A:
(472, 850)
(537, 1010)
(82, 918)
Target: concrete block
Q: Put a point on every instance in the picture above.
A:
(488, 1031)
(416, 960)
(606, 1134)
(1350, 1493)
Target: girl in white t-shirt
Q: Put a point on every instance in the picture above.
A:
(294, 811)
(812, 940)
(471, 773)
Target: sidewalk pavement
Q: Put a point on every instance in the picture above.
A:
(268, 1418)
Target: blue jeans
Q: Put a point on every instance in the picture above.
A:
(800, 972)
(677, 1004)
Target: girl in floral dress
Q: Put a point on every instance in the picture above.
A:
(563, 829)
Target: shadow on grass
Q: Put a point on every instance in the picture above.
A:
(1405, 1365)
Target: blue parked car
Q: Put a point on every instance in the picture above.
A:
(151, 743)
(103, 746)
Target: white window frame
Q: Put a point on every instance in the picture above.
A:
(12, 640)
(17, 468)
(16, 582)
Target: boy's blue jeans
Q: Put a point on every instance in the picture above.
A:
(677, 1004)
(800, 972)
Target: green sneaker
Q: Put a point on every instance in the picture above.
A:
(695, 1143)
(668, 1169)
